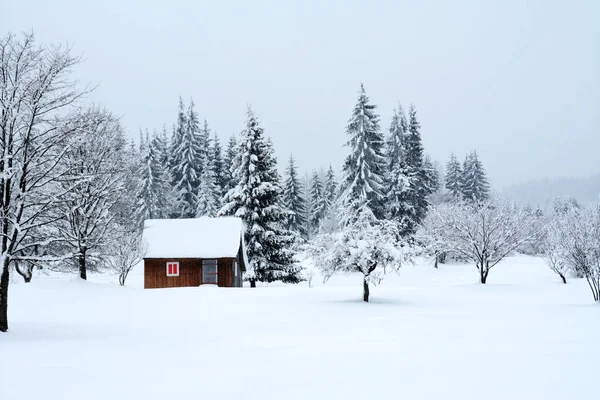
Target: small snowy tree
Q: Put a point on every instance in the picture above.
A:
(318, 203)
(330, 188)
(219, 167)
(484, 232)
(452, 179)
(475, 186)
(367, 245)
(228, 161)
(293, 200)
(125, 253)
(552, 251)
(576, 237)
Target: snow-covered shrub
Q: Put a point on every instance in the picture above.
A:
(366, 245)
(574, 242)
(127, 251)
(484, 232)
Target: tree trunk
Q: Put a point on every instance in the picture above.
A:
(365, 290)
(562, 277)
(27, 275)
(252, 283)
(442, 258)
(4, 298)
(483, 273)
(82, 266)
(435, 263)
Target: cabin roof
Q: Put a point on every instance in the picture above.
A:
(193, 238)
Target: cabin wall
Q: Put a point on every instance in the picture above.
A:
(190, 273)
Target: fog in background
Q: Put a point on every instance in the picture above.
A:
(519, 81)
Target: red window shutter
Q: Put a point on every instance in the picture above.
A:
(172, 269)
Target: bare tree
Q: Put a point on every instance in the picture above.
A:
(576, 240)
(96, 170)
(485, 233)
(552, 251)
(128, 250)
(35, 86)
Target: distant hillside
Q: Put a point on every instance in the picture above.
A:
(584, 189)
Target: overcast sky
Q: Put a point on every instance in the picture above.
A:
(519, 81)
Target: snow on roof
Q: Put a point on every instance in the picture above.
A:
(193, 238)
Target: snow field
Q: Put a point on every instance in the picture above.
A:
(428, 334)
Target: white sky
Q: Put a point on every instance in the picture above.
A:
(518, 80)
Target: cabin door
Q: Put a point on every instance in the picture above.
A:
(210, 272)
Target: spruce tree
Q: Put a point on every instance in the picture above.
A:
(208, 191)
(228, 160)
(257, 199)
(218, 167)
(318, 204)
(330, 189)
(453, 178)
(475, 186)
(293, 200)
(433, 175)
(364, 167)
(419, 184)
(397, 179)
(154, 195)
(204, 146)
(184, 165)
(177, 137)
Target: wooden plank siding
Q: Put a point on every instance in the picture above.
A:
(190, 273)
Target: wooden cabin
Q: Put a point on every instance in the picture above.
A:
(194, 252)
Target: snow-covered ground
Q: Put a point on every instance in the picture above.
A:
(428, 334)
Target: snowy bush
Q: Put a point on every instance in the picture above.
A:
(127, 252)
(574, 243)
(366, 245)
(484, 232)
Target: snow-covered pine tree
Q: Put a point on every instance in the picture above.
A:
(162, 147)
(475, 185)
(209, 193)
(318, 204)
(293, 200)
(257, 199)
(218, 167)
(155, 197)
(228, 160)
(330, 188)
(397, 179)
(432, 172)
(184, 158)
(204, 144)
(364, 167)
(419, 181)
(452, 180)
(176, 139)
